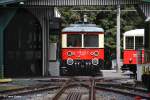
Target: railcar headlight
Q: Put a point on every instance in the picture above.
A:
(70, 61)
(95, 61)
(69, 53)
(96, 53)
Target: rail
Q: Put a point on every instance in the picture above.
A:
(124, 91)
(64, 87)
(92, 90)
(74, 82)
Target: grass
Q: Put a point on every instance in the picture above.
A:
(5, 80)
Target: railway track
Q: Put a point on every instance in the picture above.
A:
(52, 84)
(26, 90)
(92, 87)
(74, 96)
(120, 86)
(75, 88)
(126, 90)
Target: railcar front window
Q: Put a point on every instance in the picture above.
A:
(129, 42)
(90, 40)
(139, 42)
(74, 40)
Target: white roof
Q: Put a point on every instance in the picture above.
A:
(83, 28)
(136, 32)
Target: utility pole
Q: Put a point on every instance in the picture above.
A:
(118, 39)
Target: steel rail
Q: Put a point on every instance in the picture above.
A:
(26, 90)
(67, 86)
(92, 90)
(122, 87)
(74, 96)
(74, 81)
(63, 88)
(121, 91)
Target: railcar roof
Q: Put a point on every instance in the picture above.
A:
(136, 32)
(83, 28)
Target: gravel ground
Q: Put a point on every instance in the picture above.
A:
(104, 95)
(100, 95)
(20, 83)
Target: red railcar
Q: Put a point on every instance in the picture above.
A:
(82, 49)
(133, 42)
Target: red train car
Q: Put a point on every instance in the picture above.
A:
(133, 42)
(82, 49)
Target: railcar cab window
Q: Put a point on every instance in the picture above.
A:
(129, 42)
(74, 40)
(90, 40)
(139, 42)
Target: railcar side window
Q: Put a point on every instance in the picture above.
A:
(74, 40)
(129, 42)
(90, 40)
(138, 42)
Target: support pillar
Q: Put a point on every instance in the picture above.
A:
(118, 39)
(6, 15)
(45, 32)
(43, 14)
(1, 55)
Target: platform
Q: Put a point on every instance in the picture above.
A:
(113, 74)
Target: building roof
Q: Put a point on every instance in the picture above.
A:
(74, 2)
(136, 32)
(81, 2)
(83, 28)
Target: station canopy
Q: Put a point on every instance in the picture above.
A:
(74, 2)
(2, 2)
(61, 2)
